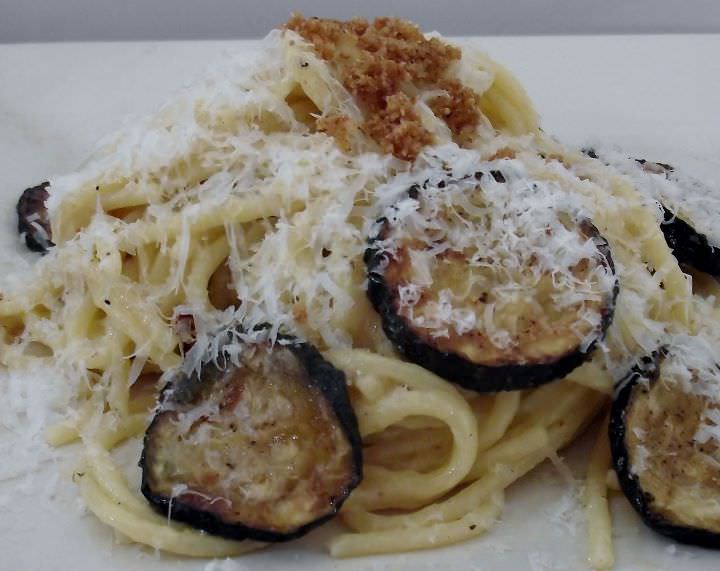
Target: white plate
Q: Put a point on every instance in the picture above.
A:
(655, 95)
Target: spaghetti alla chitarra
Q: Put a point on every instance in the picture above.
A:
(512, 281)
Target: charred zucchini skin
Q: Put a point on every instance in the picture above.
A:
(332, 384)
(453, 367)
(642, 502)
(32, 201)
(689, 246)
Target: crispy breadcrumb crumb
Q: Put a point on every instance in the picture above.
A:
(460, 109)
(504, 153)
(341, 127)
(397, 128)
(383, 65)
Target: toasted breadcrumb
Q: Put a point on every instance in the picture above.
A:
(504, 153)
(383, 64)
(341, 127)
(397, 128)
(460, 109)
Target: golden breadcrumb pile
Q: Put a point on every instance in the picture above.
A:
(383, 65)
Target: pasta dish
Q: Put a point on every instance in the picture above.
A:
(356, 280)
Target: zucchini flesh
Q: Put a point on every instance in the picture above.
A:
(267, 448)
(435, 291)
(666, 460)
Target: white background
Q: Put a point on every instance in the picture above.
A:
(80, 20)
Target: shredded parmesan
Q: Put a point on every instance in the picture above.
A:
(694, 201)
(516, 235)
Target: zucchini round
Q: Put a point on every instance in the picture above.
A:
(467, 275)
(262, 446)
(663, 451)
(33, 221)
(689, 244)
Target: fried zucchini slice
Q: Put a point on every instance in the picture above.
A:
(33, 221)
(689, 208)
(664, 436)
(492, 281)
(262, 446)
(689, 246)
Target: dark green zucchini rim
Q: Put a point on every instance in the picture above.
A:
(332, 384)
(648, 370)
(450, 365)
(689, 246)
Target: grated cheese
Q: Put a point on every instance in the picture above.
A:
(26, 410)
(690, 366)
(694, 201)
(512, 233)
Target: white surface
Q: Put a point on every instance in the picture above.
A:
(654, 95)
(79, 20)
